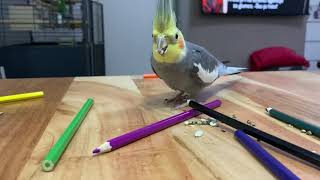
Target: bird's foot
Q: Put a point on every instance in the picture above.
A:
(179, 101)
(174, 99)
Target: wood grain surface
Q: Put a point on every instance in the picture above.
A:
(22, 123)
(123, 104)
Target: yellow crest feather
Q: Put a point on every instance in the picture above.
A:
(165, 17)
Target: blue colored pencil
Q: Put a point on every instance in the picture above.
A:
(275, 166)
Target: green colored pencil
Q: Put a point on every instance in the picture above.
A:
(298, 123)
(57, 150)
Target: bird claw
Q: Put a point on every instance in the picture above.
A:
(179, 101)
(168, 100)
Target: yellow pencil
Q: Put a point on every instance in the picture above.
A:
(19, 97)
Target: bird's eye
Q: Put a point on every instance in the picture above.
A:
(177, 36)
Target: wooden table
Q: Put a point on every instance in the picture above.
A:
(28, 129)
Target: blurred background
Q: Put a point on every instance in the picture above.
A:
(58, 38)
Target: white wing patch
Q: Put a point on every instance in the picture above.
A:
(205, 75)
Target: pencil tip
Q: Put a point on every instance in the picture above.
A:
(96, 151)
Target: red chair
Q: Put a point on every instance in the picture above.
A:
(275, 58)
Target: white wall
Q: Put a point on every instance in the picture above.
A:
(312, 44)
(234, 38)
(128, 40)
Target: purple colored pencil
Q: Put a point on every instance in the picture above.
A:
(135, 135)
(275, 166)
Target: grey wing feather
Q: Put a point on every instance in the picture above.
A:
(212, 66)
(205, 67)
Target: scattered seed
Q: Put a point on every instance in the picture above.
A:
(234, 116)
(249, 122)
(223, 130)
(309, 132)
(303, 131)
(203, 120)
(1, 113)
(213, 124)
(213, 120)
(290, 125)
(198, 133)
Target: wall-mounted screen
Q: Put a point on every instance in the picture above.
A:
(255, 7)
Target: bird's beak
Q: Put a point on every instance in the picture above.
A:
(162, 45)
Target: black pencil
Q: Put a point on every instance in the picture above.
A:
(260, 135)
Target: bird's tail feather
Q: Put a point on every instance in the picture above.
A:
(231, 70)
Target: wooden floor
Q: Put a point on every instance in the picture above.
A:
(30, 128)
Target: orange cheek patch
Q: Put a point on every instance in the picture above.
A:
(181, 43)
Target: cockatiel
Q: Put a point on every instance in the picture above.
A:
(182, 65)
